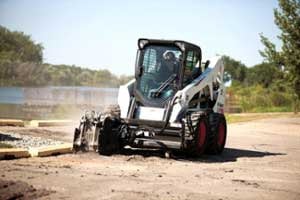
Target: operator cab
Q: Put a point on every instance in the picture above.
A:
(162, 68)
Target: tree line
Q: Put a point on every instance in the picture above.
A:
(260, 88)
(21, 64)
(273, 85)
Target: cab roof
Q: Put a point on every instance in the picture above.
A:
(182, 45)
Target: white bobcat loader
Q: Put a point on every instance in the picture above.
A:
(174, 102)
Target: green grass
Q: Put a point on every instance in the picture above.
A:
(244, 117)
(261, 109)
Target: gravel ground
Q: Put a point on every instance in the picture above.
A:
(26, 141)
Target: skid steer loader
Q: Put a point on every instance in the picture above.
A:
(175, 101)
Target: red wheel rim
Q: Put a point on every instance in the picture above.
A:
(221, 135)
(202, 134)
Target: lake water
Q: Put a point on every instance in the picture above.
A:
(53, 102)
(58, 95)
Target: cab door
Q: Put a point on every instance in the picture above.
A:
(192, 67)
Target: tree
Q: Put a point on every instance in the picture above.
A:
(234, 70)
(264, 74)
(16, 46)
(287, 18)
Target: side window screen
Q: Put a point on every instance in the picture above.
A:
(191, 69)
(191, 60)
(149, 61)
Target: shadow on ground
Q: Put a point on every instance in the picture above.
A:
(228, 155)
(232, 154)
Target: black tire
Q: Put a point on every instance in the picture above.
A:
(197, 146)
(218, 134)
(108, 140)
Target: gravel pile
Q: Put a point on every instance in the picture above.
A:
(25, 141)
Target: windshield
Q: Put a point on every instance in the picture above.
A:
(160, 69)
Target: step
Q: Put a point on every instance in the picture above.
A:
(154, 143)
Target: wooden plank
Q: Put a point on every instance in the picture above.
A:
(10, 153)
(51, 150)
(11, 122)
(46, 123)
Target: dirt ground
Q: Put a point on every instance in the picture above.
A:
(261, 161)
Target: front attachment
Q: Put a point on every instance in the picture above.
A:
(92, 124)
(86, 135)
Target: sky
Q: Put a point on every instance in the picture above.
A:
(103, 34)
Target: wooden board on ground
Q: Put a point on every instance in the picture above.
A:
(46, 123)
(11, 153)
(51, 150)
(11, 122)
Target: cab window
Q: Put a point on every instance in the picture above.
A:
(149, 62)
(191, 68)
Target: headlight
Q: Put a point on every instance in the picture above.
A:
(142, 42)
